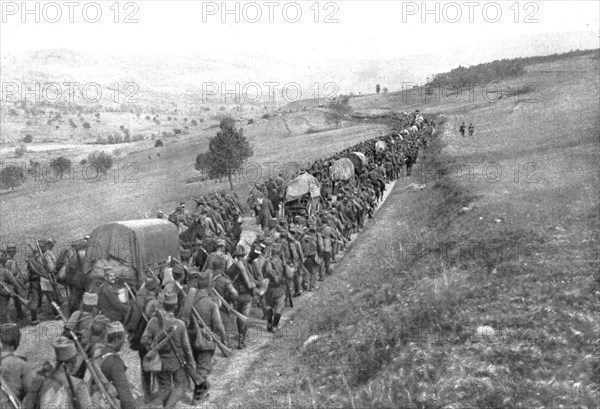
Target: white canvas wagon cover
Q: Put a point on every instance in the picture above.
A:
(301, 185)
(342, 169)
(134, 243)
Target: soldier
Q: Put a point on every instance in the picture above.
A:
(218, 260)
(146, 304)
(275, 296)
(80, 322)
(9, 288)
(172, 379)
(61, 379)
(112, 366)
(108, 299)
(39, 283)
(471, 129)
(327, 234)
(462, 129)
(14, 368)
(204, 346)
(224, 286)
(244, 284)
(311, 258)
(296, 258)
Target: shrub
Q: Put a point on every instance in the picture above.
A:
(266, 116)
(11, 176)
(111, 139)
(312, 130)
(250, 121)
(126, 138)
(177, 131)
(97, 115)
(100, 160)
(20, 151)
(83, 161)
(118, 138)
(194, 122)
(121, 127)
(147, 117)
(28, 138)
(61, 165)
(86, 125)
(158, 143)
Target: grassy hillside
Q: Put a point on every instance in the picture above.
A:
(480, 291)
(145, 179)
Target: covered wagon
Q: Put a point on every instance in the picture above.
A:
(358, 159)
(302, 196)
(380, 146)
(130, 248)
(342, 169)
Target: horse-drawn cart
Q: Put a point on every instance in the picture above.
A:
(130, 248)
(302, 196)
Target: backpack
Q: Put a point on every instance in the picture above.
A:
(309, 246)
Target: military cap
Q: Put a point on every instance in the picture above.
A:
(220, 242)
(204, 278)
(151, 283)
(107, 269)
(90, 299)
(102, 319)
(115, 328)
(65, 349)
(50, 241)
(170, 297)
(10, 333)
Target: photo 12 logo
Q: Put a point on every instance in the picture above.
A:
(469, 11)
(71, 11)
(271, 92)
(55, 92)
(269, 11)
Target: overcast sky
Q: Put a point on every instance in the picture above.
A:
(364, 29)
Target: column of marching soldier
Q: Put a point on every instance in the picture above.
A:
(181, 314)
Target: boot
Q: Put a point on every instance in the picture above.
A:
(173, 398)
(269, 320)
(276, 322)
(200, 392)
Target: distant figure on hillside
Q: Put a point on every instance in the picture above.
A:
(462, 129)
(471, 129)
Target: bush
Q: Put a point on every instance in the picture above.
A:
(20, 151)
(102, 161)
(11, 176)
(28, 138)
(147, 117)
(194, 122)
(250, 121)
(177, 131)
(158, 143)
(312, 130)
(126, 138)
(118, 138)
(61, 165)
(86, 125)
(83, 161)
(111, 139)
(266, 116)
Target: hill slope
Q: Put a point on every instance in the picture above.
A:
(479, 291)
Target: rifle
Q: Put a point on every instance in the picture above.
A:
(14, 295)
(11, 397)
(51, 277)
(76, 403)
(238, 314)
(189, 368)
(95, 375)
(224, 349)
